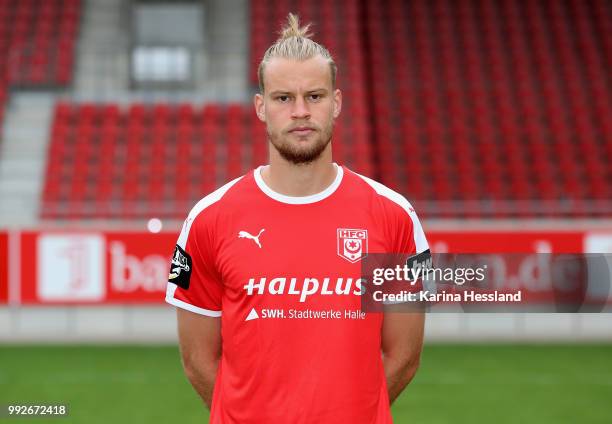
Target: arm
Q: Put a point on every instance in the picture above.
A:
(402, 340)
(200, 344)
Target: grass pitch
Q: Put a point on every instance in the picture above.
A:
(455, 384)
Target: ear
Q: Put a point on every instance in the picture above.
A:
(260, 108)
(337, 102)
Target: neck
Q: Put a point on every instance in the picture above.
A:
(307, 179)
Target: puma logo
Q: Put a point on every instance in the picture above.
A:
(244, 234)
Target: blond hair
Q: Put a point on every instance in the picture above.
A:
(295, 43)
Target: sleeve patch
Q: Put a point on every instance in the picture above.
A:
(422, 260)
(180, 268)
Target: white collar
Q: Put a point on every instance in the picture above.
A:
(299, 200)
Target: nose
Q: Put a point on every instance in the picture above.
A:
(300, 109)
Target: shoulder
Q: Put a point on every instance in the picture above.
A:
(393, 209)
(206, 208)
(216, 198)
(387, 198)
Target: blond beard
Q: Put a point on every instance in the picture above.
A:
(297, 156)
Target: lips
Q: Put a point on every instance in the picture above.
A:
(301, 130)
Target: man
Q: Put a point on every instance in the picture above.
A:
(266, 272)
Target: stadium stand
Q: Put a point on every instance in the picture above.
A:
(490, 102)
(105, 161)
(37, 41)
(470, 109)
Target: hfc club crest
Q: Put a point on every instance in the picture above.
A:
(352, 244)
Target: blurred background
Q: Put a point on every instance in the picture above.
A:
(494, 118)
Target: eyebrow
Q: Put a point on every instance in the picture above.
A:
(281, 92)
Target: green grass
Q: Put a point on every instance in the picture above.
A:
(456, 384)
(510, 384)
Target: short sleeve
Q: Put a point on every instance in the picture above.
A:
(405, 230)
(408, 240)
(193, 282)
(405, 237)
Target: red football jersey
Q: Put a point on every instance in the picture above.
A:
(283, 275)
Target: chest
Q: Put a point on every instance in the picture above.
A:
(302, 243)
